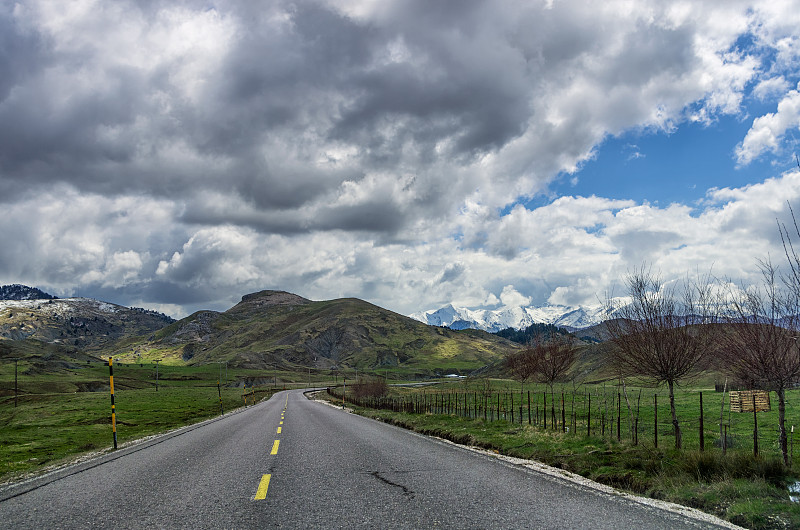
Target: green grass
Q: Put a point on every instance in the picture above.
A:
(604, 411)
(747, 490)
(54, 421)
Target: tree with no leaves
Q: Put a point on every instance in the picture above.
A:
(546, 360)
(522, 366)
(664, 333)
(760, 341)
(555, 356)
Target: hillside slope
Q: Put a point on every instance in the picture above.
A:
(275, 329)
(80, 322)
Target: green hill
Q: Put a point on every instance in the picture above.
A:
(275, 329)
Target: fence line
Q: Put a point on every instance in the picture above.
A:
(592, 412)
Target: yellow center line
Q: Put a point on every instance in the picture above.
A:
(275, 447)
(281, 423)
(279, 429)
(261, 493)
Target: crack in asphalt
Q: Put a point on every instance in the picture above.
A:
(407, 492)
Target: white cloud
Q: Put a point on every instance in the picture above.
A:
(768, 130)
(510, 297)
(769, 88)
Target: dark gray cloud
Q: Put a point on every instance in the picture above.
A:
(292, 86)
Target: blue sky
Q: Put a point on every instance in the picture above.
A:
(497, 154)
(677, 166)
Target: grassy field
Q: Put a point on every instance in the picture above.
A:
(747, 490)
(604, 410)
(61, 415)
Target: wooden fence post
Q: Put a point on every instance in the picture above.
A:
(544, 407)
(655, 420)
(755, 427)
(529, 407)
(725, 441)
(702, 435)
(589, 417)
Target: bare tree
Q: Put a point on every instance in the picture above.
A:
(522, 366)
(555, 357)
(760, 343)
(664, 333)
(544, 359)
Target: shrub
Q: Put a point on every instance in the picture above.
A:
(370, 387)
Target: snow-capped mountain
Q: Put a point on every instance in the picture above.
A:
(493, 320)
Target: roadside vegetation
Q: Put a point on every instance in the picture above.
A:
(61, 415)
(733, 484)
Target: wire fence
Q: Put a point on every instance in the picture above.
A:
(636, 416)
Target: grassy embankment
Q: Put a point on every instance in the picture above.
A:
(747, 490)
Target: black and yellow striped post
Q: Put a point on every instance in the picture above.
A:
(113, 409)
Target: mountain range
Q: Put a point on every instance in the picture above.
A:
(493, 320)
(280, 330)
(266, 330)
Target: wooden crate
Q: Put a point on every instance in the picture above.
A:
(742, 401)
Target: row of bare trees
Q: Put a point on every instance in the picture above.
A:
(665, 332)
(546, 359)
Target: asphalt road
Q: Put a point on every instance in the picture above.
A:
(294, 463)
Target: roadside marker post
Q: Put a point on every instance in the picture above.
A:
(113, 407)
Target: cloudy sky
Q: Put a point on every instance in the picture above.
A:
(176, 155)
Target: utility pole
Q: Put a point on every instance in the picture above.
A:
(157, 361)
(220, 370)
